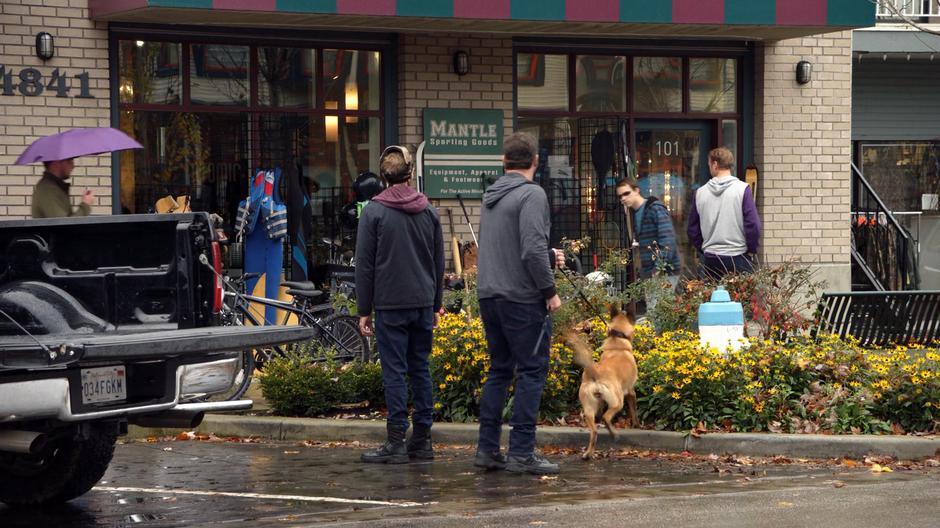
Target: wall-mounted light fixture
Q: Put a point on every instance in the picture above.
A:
(804, 72)
(45, 46)
(461, 63)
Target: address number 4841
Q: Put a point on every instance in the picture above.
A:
(32, 83)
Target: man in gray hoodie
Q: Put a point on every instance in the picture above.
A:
(516, 287)
(400, 275)
(723, 223)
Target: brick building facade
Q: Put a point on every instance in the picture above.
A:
(796, 135)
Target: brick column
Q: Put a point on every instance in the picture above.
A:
(81, 45)
(803, 149)
(427, 80)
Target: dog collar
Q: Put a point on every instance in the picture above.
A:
(617, 333)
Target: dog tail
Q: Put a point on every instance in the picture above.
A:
(583, 356)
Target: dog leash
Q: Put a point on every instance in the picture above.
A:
(538, 342)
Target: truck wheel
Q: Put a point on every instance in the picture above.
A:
(67, 468)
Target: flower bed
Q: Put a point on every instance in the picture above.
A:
(798, 385)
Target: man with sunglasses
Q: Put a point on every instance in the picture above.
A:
(654, 232)
(400, 276)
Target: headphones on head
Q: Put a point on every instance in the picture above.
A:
(409, 163)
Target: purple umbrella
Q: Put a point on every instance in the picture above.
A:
(76, 142)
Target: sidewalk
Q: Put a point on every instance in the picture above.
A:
(750, 444)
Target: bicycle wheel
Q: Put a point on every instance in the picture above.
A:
(343, 336)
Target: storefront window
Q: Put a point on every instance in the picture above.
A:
(286, 77)
(905, 175)
(150, 72)
(351, 79)
(600, 83)
(556, 172)
(657, 84)
(712, 85)
(200, 155)
(219, 75)
(729, 137)
(542, 81)
(205, 141)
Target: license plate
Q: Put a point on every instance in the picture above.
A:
(105, 384)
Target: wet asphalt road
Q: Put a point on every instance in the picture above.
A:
(172, 484)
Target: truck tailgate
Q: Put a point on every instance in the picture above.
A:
(23, 352)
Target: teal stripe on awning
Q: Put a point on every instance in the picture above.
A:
(854, 13)
(646, 11)
(751, 12)
(192, 4)
(426, 8)
(536, 10)
(307, 6)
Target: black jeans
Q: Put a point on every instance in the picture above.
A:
(404, 338)
(517, 337)
(717, 266)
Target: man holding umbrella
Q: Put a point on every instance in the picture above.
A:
(51, 194)
(57, 153)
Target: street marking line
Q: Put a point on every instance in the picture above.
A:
(262, 496)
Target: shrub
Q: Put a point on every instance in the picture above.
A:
(295, 385)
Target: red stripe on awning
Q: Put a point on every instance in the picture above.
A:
(698, 11)
(366, 7)
(801, 13)
(494, 9)
(592, 10)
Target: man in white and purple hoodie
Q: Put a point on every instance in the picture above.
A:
(400, 277)
(723, 224)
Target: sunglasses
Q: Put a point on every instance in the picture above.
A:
(624, 194)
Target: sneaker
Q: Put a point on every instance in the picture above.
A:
(489, 460)
(535, 464)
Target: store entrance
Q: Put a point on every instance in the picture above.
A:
(672, 163)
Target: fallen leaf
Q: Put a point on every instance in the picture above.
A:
(186, 435)
(785, 504)
(168, 449)
(932, 462)
(291, 452)
(848, 462)
(878, 468)
(838, 484)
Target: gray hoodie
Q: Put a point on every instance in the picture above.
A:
(724, 220)
(514, 231)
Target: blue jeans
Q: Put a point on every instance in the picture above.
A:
(717, 266)
(404, 338)
(517, 337)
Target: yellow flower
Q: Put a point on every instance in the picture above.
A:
(675, 395)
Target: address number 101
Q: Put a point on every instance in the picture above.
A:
(32, 83)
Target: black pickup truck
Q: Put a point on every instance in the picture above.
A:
(106, 321)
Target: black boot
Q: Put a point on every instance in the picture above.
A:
(419, 445)
(392, 451)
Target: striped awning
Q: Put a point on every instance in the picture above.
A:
(749, 18)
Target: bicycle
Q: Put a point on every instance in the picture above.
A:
(338, 337)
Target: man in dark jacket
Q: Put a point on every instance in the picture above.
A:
(51, 194)
(653, 224)
(516, 287)
(399, 275)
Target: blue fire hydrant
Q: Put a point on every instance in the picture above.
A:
(721, 322)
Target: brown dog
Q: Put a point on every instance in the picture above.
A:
(605, 383)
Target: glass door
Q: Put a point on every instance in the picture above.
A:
(672, 163)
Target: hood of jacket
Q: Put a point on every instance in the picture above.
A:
(404, 198)
(720, 184)
(503, 186)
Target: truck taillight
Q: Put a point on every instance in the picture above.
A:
(217, 264)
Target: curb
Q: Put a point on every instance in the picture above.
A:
(750, 444)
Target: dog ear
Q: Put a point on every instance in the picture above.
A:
(630, 316)
(614, 309)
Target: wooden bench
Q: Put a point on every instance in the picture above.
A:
(882, 318)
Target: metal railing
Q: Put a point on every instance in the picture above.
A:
(908, 8)
(882, 248)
